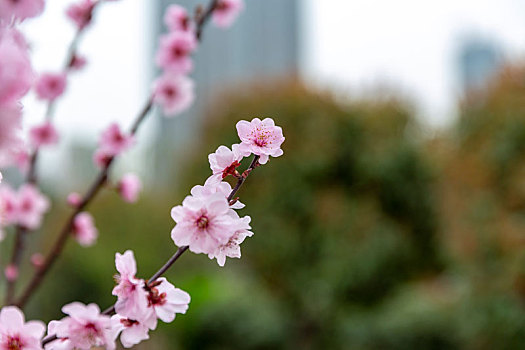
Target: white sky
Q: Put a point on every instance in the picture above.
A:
(410, 44)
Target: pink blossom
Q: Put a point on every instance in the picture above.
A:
(262, 138)
(77, 62)
(9, 205)
(203, 223)
(102, 157)
(85, 327)
(20, 9)
(113, 141)
(31, 206)
(16, 74)
(176, 18)
(174, 52)
(74, 199)
(226, 12)
(175, 93)
(10, 141)
(17, 334)
(232, 248)
(11, 272)
(167, 300)
(81, 13)
(60, 343)
(224, 162)
(21, 159)
(43, 135)
(211, 186)
(84, 229)
(37, 260)
(129, 187)
(133, 331)
(132, 301)
(49, 86)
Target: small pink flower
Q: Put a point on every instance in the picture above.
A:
(16, 334)
(16, 74)
(176, 18)
(174, 93)
(132, 300)
(37, 260)
(10, 141)
(232, 248)
(85, 327)
(31, 206)
(21, 159)
(74, 199)
(226, 12)
(49, 86)
(203, 223)
(84, 229)
(81, 13)
(129, 187)
(20, 9)
(225, 161)
(77, 62)
(11, 272)
(9, 205)
(167, 300)
(60, 343)
(43, 135)
(174, 52)
(102, 157)
(113, 141)
(262, 138)
(133, 331)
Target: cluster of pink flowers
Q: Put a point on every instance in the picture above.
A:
(206, 221)
(24, 207)
(173, 90)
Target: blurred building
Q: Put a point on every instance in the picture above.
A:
(262, 44)
(478, 60)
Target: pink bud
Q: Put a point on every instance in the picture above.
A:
(74, 199)
(37, 260)
(11, 272)
(129, 187)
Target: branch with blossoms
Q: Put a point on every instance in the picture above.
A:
(206, 222)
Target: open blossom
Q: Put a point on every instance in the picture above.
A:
(176, 18)
(9, 201)
(85, 327)
(262, 138)
(16, 74)
(132, 300)
(129, 187)
(49, 86)
(43, 135)
(11, 124)
(174, 93)
(174, 52)
(81, 13)
(84, 229)
(131, 331)
(27, 207)
(226, 12)
(232, 248)
(20, 9)
(211, 186)
(225, 161)
(16, 334)
(166, 300)
(203, 223)
(113, 141)
(60, 343)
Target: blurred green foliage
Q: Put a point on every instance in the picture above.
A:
(367, 234)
